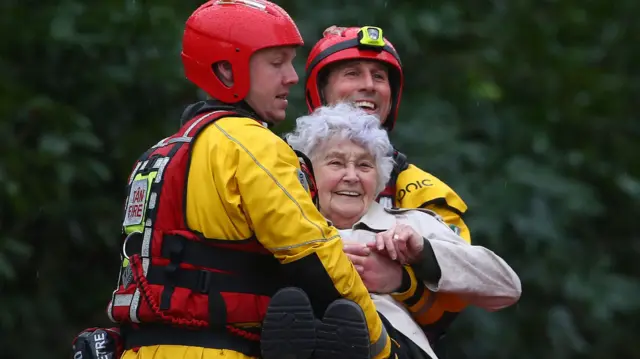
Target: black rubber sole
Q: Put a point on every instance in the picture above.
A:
(289, 326)
(343, 332)
(291, 331)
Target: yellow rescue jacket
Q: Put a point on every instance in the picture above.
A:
(244, 181)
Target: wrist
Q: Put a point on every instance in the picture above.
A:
(426, 265)
(416, 252)
(411, 289)
(405, 282)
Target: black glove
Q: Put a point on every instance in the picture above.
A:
(98, 343)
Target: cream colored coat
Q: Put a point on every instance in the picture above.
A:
(474, 273)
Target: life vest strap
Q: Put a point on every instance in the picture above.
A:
(201, 253)
(204, 281)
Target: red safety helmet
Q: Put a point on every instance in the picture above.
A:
(232, 30)
(339, 44)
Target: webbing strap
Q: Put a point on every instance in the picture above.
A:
(204, 254)
(202, 281)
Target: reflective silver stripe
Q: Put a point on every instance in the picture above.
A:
(156, 163)
(377, 347)
(186, 133)
(122, 300)
(113, 295)
(146, 241)
(145, 265)
(146, 247)
(172, 140)
(161, 164)
(133, 310)
(186, 136)
(153, 197)
(180, 139)
(133, 174)
(160, 143)
(286, 248)
(110, 311)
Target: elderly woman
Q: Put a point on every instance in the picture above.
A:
(414, 265)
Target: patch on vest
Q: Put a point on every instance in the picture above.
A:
(136, 204)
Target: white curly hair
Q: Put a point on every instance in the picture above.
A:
(339, 122)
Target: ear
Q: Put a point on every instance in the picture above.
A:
(224, 71)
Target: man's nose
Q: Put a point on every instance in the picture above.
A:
(367, 82)
(290, 75)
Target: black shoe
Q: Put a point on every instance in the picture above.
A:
(343, 332)
(291, 331)
(289, 327)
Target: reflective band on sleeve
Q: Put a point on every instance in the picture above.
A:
(380, 344)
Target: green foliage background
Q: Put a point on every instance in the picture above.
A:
(529, 109)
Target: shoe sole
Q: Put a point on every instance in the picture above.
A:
(343, 333)
(289, 326)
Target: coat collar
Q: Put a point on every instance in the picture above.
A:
(376, 219)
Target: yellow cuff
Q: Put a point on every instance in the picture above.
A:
(412, 289)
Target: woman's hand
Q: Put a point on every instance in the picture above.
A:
(401, 242)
